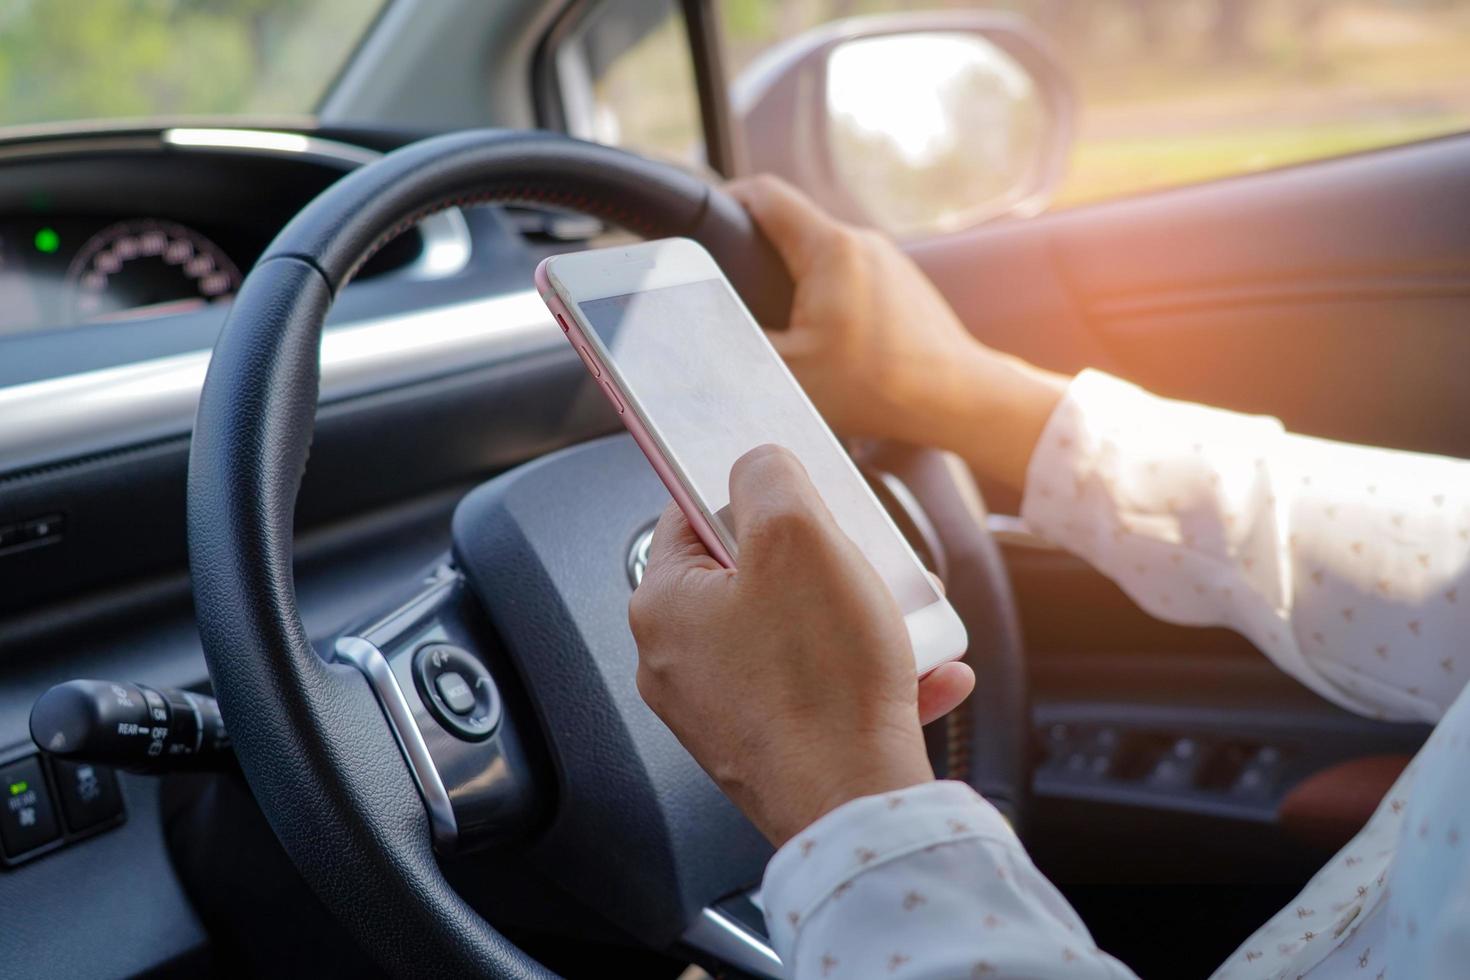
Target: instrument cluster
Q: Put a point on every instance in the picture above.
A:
(60, 271)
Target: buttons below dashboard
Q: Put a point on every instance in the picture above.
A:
(1158, 764)
(36, 792)
(27, 817)
(89, 794)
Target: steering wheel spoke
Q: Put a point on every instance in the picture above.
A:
(733, 932)
(473, 767)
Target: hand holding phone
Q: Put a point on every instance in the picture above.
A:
(791, 682)
(698, 385)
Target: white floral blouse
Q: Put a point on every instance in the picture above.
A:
(1346, 565)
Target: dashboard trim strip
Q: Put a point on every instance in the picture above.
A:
(58, 419)
(270, 143)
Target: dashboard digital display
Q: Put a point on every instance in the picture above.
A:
(63, 271)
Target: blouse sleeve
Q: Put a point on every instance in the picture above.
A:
(1346, 565)
(925, 884)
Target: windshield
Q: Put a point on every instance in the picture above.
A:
(114, 59)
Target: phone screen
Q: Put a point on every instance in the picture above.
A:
(711, 388)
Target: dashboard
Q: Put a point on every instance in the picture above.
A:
(119, 228)
(120, 252)
(440, 367)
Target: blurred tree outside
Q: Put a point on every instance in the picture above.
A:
(100, 59)
(1171, 91)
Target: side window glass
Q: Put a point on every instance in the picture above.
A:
(627, 79)
(1173, 92)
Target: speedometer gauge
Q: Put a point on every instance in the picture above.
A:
(147, 268)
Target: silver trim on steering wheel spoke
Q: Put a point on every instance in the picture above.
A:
(374, 666)
(1008, 529)
(726, 939)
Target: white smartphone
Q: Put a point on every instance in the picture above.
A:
(698, 385)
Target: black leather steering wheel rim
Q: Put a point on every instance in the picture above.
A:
(309, 735)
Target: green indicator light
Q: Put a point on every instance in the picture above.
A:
(18, 788)
(47, 240)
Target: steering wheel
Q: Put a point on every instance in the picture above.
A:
(354, 758)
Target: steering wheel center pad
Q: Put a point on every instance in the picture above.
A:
(639, 830)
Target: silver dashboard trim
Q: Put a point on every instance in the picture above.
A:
(71, 146)
(447, 245)
(269, 142)
(63, 418)
(59, 419)
(446, 236)
(369, 659)
(721, 936)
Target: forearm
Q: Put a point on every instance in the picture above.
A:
(1342, 563)
(991, 411)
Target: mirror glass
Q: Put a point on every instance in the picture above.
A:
(933, 132)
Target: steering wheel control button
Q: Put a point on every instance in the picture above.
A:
(27, 818)
(455, 692)
(458, 690)
(89, 794)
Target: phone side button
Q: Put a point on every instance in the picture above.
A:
(587, 360)
(612, 396)
(562, 323)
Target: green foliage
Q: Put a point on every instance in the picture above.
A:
(76, 59)
(745, 18)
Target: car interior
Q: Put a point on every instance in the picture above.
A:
(316, 538)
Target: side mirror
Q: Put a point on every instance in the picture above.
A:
(917, 124)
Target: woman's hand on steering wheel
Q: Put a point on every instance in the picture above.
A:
(881, 352)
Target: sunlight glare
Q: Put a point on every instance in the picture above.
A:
(889, 85)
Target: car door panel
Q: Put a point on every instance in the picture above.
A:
(1335, 296)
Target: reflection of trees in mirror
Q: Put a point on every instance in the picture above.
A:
(930, 132)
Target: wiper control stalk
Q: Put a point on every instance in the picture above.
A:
(131, 726)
